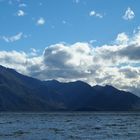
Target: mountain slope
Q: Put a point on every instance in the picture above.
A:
(23, 93)
(19, 93)
(81, 96)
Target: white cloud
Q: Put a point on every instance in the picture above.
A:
(122, 38)
(129, 14)
(12, 38)
(22, 5)
(14, 59)
(75, 55)
(34, 52)
(41, 21)
(117, 64)
(93, 13)
(20, 13)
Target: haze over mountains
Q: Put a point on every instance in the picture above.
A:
(23, 93)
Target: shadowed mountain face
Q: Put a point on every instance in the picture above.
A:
(22, 93)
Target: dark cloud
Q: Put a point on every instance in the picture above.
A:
(130, 72)
(56, 57)
(132, 52)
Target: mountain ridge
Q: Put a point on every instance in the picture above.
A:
(23, 93)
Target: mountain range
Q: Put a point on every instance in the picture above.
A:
(22, 93)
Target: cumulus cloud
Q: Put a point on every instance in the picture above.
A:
(129, 14)
(127, 52)
(12, 38)
(117, 64)
(20, 61)
(70, 57)
(20, 13)
(14, 59)
(122, 38)
(41, 21)
(94, 13)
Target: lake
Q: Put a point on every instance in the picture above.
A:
(70, 126)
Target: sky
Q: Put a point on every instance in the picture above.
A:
(96, 41)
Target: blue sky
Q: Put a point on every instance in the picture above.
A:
(65, 21)
(96, 41)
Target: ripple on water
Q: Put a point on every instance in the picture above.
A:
(71, 126)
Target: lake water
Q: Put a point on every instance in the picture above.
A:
(70, 126)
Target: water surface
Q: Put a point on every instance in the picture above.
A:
(70, 126)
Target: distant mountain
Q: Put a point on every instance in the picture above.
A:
(23, 93)
(81, 96)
